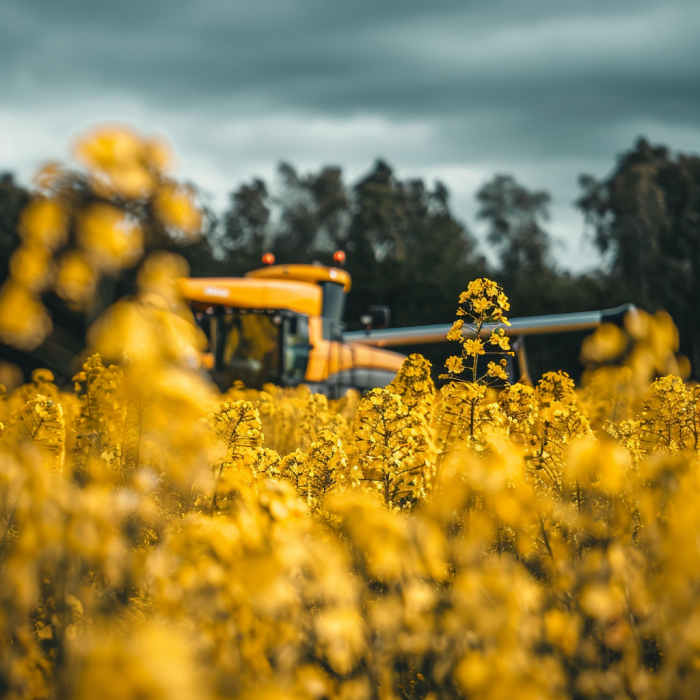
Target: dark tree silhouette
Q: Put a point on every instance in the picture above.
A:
(514, 215)
(13, 198)
(245, 226)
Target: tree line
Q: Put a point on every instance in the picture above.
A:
(406, 248)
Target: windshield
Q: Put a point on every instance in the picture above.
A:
(245, 346)
(255, 347)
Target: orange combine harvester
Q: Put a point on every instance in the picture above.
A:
(283, 324)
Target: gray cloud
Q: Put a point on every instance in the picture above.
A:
(451, 89)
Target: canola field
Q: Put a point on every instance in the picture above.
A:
(161, 540)
(489, 539)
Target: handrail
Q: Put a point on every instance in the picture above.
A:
(526, 325)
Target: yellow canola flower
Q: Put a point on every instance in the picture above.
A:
(562, 630)
(146, 333)
(497, 371)
(76, 278)
(108, 148)
(160, 273)
(108, 235)
(395, 450)
(414, 384)
(43, 222)
(454, 365)
(484, 303)
(606, 344)
(176, 210)
(326, 468)
(484, 290)
(132, 182)
(31, 267)
(499, 338)
(473, 347)
(40, 422)
(121, 162)
(664, 335)
(151, 662)
(601, 464)
(455, 333)
(113, 147)
(24, 322)
(237, 424)
(341, 638)
(157, 154)
(479, 306)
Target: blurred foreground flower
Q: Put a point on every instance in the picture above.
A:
(82, 225)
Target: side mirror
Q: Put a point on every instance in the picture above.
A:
(376, 317)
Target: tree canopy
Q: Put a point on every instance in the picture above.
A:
(405, 247)
(514, 215)
(645, 218)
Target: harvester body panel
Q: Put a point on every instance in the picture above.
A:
(249, 293)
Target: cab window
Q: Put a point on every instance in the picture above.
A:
(295, 348)
(246, 347)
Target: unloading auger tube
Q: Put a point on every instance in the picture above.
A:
(526, 325)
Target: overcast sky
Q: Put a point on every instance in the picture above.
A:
(542, 89)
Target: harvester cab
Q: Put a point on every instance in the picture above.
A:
(283, 324)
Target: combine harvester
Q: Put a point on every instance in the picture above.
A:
(283, 324)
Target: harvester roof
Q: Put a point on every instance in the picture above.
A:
(247, 293)
(303, 273)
